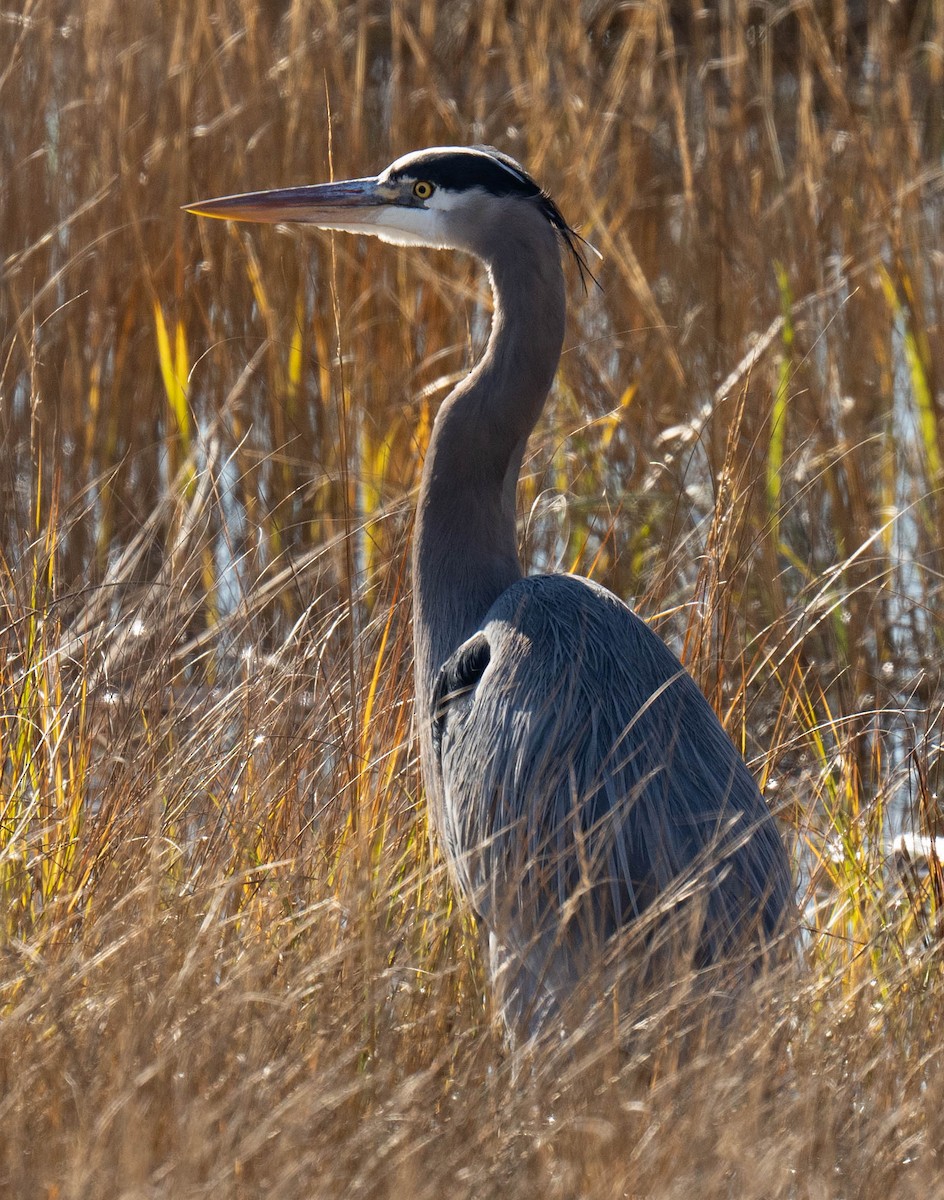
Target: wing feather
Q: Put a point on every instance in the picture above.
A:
(585, 777)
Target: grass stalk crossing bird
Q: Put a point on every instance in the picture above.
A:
(591, 808)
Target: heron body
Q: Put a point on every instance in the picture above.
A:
(582, 789)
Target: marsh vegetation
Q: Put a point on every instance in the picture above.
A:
(230, 961)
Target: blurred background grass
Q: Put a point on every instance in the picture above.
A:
(229, 960)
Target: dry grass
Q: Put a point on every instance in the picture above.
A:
(229, 962)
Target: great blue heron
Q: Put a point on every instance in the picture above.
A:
(580, 785)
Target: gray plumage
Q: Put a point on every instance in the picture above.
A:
(583, 792)
(624, 796)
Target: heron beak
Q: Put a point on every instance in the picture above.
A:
(355, 205)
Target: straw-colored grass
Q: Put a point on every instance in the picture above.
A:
(230, 961)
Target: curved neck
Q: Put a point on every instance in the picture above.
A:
(465, 547)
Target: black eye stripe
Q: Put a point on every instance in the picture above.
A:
(459, 172)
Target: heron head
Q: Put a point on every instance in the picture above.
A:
(448, 197)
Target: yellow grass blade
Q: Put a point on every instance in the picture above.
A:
(918, 375)
(174, 370)
(778, 416)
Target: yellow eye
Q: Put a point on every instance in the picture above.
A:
(422, 190)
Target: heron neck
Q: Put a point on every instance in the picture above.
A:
(465, 551)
